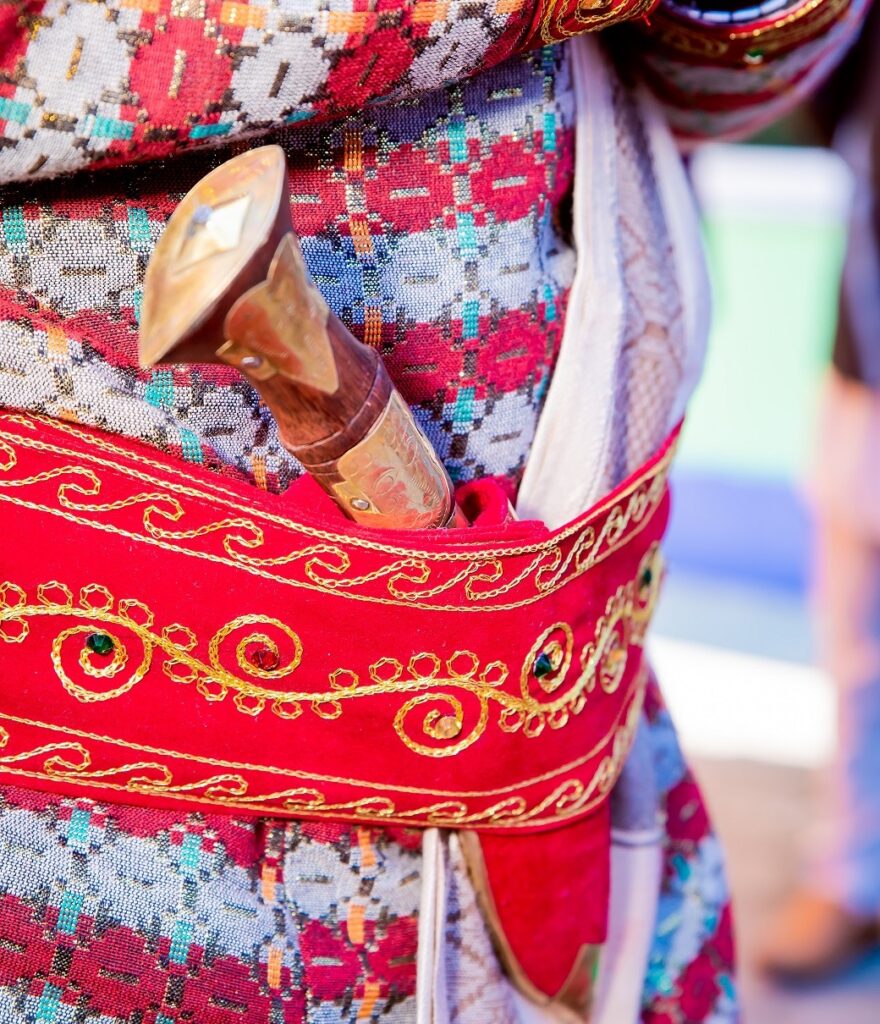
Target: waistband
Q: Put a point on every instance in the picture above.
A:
(173, 638)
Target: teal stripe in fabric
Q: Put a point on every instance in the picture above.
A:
(139, 229)
(549, 131)
(549, 304)
(206, 131)
(111, 128)
(458, 141)
(14, 228)
(190, 446)
(69, 911)
(189, 854)
(470, 315)
(682, 867)
(160, 391)
(463, 413)
(78, 828)
(180, 941)
(49, 1004)
(541, 388)
(467, 235)
(13, 110)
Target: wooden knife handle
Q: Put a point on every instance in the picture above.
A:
(227, 282)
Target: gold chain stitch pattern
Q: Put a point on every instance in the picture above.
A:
(560, 19)
(688, 35)
(326, 566)
(71, 761)
(430, 683)
(222, 496)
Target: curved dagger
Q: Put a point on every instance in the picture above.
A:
(227, 283)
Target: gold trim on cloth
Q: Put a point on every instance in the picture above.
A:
(184, 641)
(563, 19)
(470, 579)
(573, 1003)
(750, 44)
(226, 785)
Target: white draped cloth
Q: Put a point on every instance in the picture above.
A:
(632, 352)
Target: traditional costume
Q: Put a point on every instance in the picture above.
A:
(258, 763)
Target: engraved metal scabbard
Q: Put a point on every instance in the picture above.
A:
(393, 474)
(227, 283)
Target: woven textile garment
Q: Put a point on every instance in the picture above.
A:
(430, 230)
(436, 224)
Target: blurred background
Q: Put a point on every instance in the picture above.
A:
(734, 643)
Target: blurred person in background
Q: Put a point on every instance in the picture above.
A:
(834, 917)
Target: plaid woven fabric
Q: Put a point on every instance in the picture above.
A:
(101, 82)
(112, 81)
(430, 229)
(691, 970)
(112, 914)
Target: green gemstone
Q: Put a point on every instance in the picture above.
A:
(100, 643)
(543, 665)
(647, 576)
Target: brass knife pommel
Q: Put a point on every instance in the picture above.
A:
(227, 283)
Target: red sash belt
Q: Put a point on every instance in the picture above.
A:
(170, 637)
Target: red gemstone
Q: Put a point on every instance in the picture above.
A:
(265, 659)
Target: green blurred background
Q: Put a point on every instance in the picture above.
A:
(775, 296)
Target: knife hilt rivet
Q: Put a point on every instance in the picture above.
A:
(251, 362)
(361, 504)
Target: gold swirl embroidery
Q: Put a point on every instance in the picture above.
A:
(72, 762)
(470, 578)
(602, 661)
(98, 611)
(160, 505)
(562, 19)
(765, 40)
(433, 720)
(137, 776)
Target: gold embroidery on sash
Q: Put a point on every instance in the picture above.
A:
(464, 579)
(767, 40)
(545, 699)
(71, 761)
(563, 19)
(446, 702)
